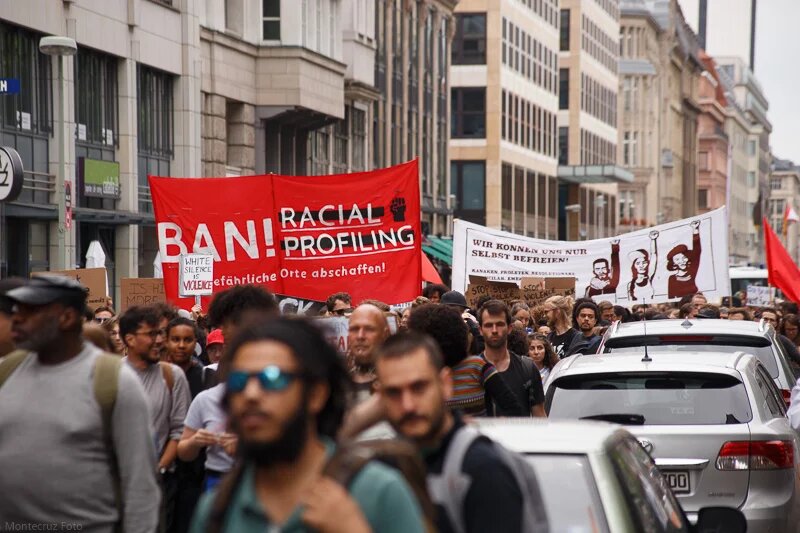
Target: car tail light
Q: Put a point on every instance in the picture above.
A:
(756, 455)
(787, 397)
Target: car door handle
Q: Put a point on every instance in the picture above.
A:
(683, 464)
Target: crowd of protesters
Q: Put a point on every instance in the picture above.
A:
(237, 419)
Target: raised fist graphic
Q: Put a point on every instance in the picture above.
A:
(399, 209)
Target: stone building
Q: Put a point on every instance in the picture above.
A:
(503, 142)
(660, 70)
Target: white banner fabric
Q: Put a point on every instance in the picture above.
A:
(654, 265)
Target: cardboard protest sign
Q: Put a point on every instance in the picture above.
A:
(335, 331)
(302, 236)
(195, 275)
(93, 279)
(659, 264)
(140, 291)
(758, 296)
(529, 289)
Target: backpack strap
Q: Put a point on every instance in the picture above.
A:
(9, 364)
(347, 462)
(449, 489)
(169, 377)
(106, 386)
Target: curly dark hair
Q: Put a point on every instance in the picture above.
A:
(165, 310)
(230, 305)
(430, 290)
(445, 325)
(550, 357)
(517, 341)
(318, 362)
(138, 314)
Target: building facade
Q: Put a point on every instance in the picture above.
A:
(213, 88)
(724, 27)
(504, 90)
(588, 117)
(660, 72)
(748, 103)
(410, 116)
(784, 185)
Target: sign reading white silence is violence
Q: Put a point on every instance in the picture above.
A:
(658, 264)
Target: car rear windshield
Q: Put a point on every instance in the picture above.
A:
(569, 491)
(761, 347)
(671, 398)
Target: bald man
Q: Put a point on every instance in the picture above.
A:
(366, 332)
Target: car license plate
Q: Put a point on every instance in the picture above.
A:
(678, 481)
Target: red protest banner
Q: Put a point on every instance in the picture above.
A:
(302, 236)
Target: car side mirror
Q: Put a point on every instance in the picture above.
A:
(719, 520)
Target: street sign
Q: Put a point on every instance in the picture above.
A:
(11, 174)
(9, 86)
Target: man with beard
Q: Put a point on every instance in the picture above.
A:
(167, 393)
(565, 339)
(285, 398)
(414, 386)
(49, 395)
(586, 314)
(605, 279)
(366, 331)
(519, 373)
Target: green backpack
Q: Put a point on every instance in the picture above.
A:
(106, 383)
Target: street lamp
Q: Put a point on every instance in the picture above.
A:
(60, 46)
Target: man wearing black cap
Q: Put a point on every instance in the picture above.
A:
(6, 342)
(457, 301)
(55, 390)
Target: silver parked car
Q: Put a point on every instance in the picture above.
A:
(705, 335)
(714, 423)
(595, 477)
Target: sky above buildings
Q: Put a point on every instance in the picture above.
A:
(777, 53)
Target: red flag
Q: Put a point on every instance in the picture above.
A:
(782, 272)
(429, 272)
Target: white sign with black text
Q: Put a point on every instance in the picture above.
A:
(196, 275)
(659, 264)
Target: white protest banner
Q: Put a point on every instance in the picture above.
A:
(659, 264)
(758, 296)
(196, 275)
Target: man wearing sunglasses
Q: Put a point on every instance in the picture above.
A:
(339, 304)
(56, 466)
(286, 397)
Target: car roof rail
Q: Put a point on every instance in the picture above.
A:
(762, 325)
(616, 326)
(737, 356)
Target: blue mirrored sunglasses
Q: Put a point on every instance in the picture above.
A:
(271, 378)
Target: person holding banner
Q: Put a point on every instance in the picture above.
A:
(685, 263)
(643, 270)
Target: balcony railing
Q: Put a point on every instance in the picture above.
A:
(145, 199)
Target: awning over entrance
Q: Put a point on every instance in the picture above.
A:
(439, 248)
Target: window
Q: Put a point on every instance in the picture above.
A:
(702, 198)
(702, 160)
(469, 43)
(563, 145)
(564, 41)
(271, 20)
(358, 123)
(751, 148)
(468, 185)
(751, 179)
(629, 148)
(469, 113)
(96, 100)
(775, 184)
(31, 110)
(340, 142)
(563, 88)
(155, 124)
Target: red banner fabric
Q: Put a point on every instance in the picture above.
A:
(782, 272)
(303, 236)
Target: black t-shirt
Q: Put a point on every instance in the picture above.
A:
(525, 383)
(562, 342)
(493, 501)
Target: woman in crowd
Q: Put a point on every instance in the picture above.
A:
(522, 313)
(541, 352)
(112, 327)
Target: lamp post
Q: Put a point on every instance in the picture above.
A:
(60, 47)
